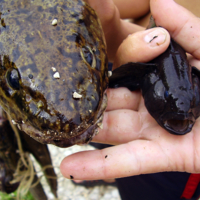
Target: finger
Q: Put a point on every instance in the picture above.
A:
(122, 98)
(115, 29)
(134, 158)
(183, 25)
(108, 162)
(141, 8)
(142, 46)
(193, 61)
(121, 126)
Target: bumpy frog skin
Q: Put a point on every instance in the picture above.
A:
(53, 77)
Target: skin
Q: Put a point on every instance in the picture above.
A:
(115, 29)
(142, 146)
(139, 14)
(75, 63)
(140, 8)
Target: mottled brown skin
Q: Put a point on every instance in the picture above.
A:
(41, 105)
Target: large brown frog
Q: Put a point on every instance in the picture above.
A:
(53, 69)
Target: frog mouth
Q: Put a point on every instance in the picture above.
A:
(56, 138)
(83, 138)
(178, 123)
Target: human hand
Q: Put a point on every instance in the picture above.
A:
(142, 146)
(115, 29)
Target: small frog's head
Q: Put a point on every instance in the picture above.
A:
(171, 92)
(173, 111)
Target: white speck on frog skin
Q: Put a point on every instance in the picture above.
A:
(54, 22)
(54, 69)
(56, 75)
(109, 73)
(14, 122)
(77, 95)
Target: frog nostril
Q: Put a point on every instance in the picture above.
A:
(30, 76)
(13, 78)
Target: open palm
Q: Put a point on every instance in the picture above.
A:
(141, 145)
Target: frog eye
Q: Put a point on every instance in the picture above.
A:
(166, 94)
(88, 56)
(13, 79)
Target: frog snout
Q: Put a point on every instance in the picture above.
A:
(179, 126)
(178, 123)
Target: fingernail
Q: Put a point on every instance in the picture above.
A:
(156, 37)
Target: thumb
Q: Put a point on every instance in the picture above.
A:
(142, 46)
(182, 25)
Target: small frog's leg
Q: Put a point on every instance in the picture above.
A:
(130, 75)
(42, 155)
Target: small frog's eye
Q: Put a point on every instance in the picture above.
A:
(13, 79)
(88, 56)
(166, 94)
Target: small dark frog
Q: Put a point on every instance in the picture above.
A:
(53, 69)
(170, 87)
